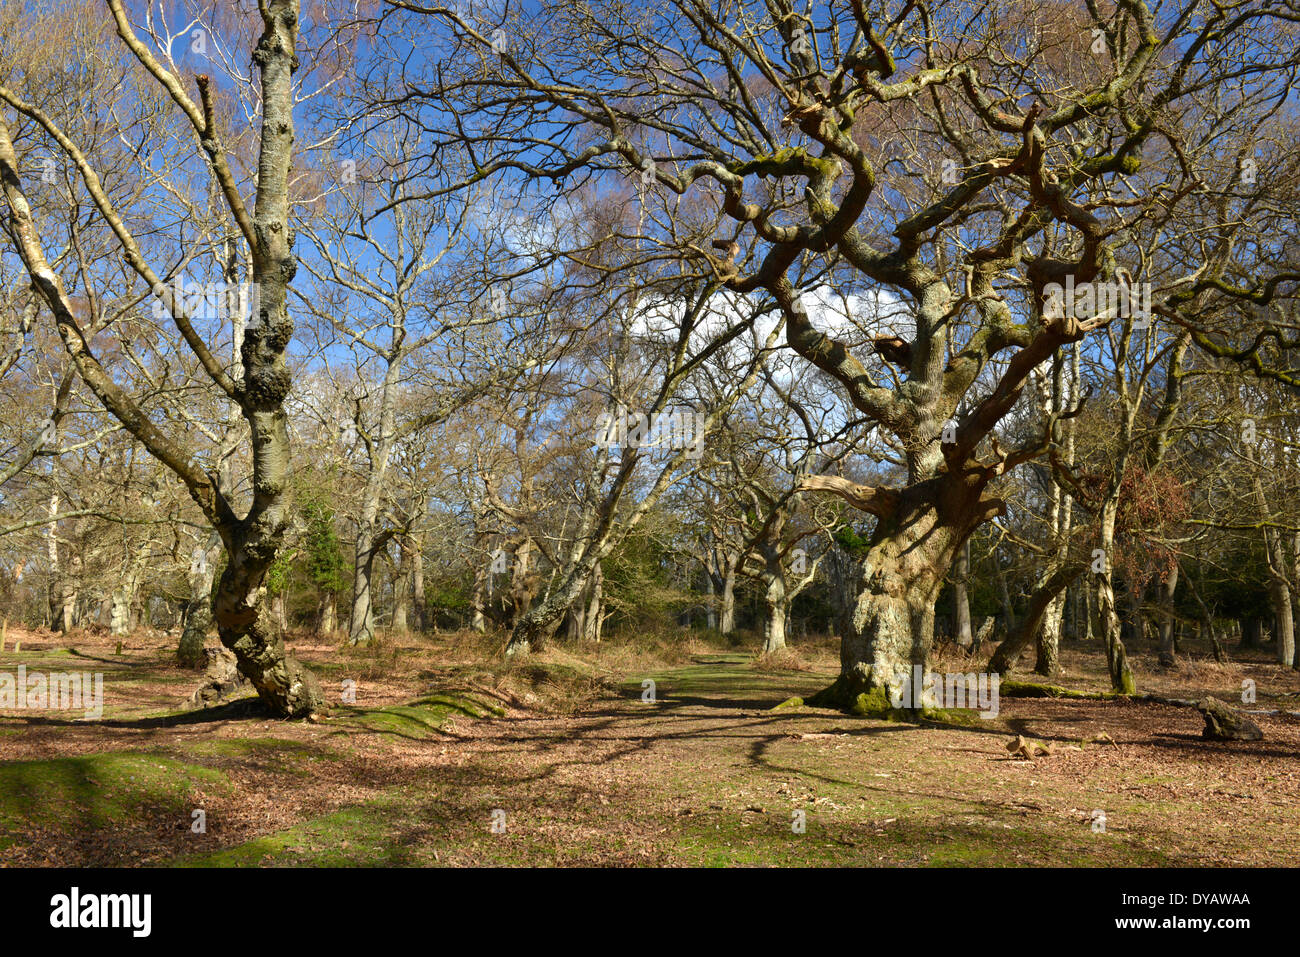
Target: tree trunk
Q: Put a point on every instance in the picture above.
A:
(1168, 656)
(1070, 628)
(197, 617)
(774, 625)
(1052, 396)
(1091, 612)
(361, 625)
(577, 619)
(328, 620)
(63, 592)
(710, 608)
(417, 583)
(892, 628)
(253, 539)
(594, 616)
(1295, 569)
(1131, 628)
(532, 628)
(775, 600)
(1048, 662)
(961, 598)
(479, 596)
(67, 611)
(119, 622)
(845, 573)
(1207, 622)
(402, 588)
(247, 627)
(71, 612)
(1280, 596)
(1008, 613)
(1121, 676)
(727, 615)
(1047, 590)
(52, 553)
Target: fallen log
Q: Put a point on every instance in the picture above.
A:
(1222, 723)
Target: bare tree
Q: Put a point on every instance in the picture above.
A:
(252, 535)
(966, 162)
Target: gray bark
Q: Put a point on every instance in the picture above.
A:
(961, 597)
(197, 616)
(727, 609)
(775, 598)
(1167, 655)
(1121, 676)
(361, 623)
(417, 583)
(402, 588)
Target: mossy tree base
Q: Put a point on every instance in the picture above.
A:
(857, 697)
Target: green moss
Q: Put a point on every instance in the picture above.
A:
(795, 702)
(854, 697)
(849, 540)
(474, 707)
(1128, 685)
(98, 791)
(787, 161)
(958, 717)
(873, 703)
(421, 719)
(1029, 689)
(913, 839)
(826, 167)
(243, 747)
(359, 836)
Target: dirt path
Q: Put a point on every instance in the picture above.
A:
(709, 775)
(706, 773)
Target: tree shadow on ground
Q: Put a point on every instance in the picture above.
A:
(243, 709)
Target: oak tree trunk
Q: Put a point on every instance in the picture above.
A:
(197, 616)
(418, 604)
(1121, 676)
(1168, 652)
(775, 599)
(961, 598)
(892, 627)
(727, 612)
(1048, 662)
(361, 624)
(1280, 596)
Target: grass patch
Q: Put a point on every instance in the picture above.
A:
(98, 792)
(359, 836)
(421, 719)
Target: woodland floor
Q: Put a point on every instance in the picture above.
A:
(589, 774)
